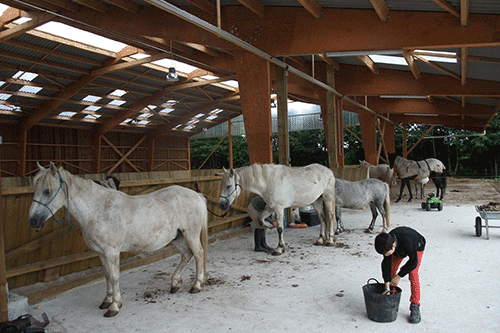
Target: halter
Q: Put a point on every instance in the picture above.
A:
(227, 196)
(46, 205)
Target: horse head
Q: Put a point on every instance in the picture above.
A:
(229, 189)
(51, 193)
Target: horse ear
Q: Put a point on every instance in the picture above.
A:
(40, 167)
(53, 168)
(231, 172)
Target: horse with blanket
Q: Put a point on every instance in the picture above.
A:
(412, 170)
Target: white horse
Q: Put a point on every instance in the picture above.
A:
(382, 172)
(282, 187)
(359, 194)
(412, 170)
(113, 222)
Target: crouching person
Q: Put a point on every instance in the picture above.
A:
(399, 243)
(255, 209)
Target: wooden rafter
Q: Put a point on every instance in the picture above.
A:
(93, 4)
(35, 22)
(411, 64)
(447, 6)
(439, 68)
(464, 12)
(381, 8)
(463, 65)
(204, 5)
(254, 6)
(365, 59)
(68, 5)
(124, 4)
(312, 6)
(329, 61)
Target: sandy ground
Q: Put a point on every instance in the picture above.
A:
(310, 288)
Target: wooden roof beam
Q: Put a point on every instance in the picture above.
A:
(68, 5)
(439, 68)
(129, 6)
(464, 12)
(448, 7)
(36, 21)
(204, 5)
(365, 59)
(9, 15)
(357, 80)
(93, 4)
(254, 6)
(335, 32)
(313, 7)
(463, 65)
(412, 64)
(381, 8)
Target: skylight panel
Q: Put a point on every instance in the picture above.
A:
(118, 93)
(140, 56)
(91, 98)
(391, 60)
(216, 111)
(67, 114)
(117, 102)
(188, 127)
(145, 115)
(4, 97)
(92, 108)
(92, 116)
(212, 117)
(193, 121)
(231, 83)
(25, 76)
(143, 122)
(209, 77)
(199, 115)
(166, 110)
(2, 83)
(66, 31)
(179, 66)
(30, 89)
(5, 107)
(439, 56)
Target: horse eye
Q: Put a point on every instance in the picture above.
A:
(46, 192)
(229, 186)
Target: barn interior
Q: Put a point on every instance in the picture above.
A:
(131, 111)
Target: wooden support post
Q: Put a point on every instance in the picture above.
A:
(255, 87)
(230, 134)
(332, 119)
(369, 134)
(96, 145)
(151, 152)
(389, 139)
(23, 150)
(340, 133)
(405, 143)
(283, 138)
(4, 310)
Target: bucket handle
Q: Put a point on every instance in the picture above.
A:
(368, 282)
(393, 290)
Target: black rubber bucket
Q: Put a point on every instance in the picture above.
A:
(381, 308)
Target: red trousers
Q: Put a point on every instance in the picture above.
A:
(413, 276)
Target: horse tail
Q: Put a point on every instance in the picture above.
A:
(204, 242)
(387, 207)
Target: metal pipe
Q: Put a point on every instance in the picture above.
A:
(244, 45)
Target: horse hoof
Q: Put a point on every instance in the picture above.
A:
(277, 251)
(368, 231)
(173, 290)
(398, 200)
(194, 290)
(110, 313)
(104, 305)
(319, 242)
(330, 243)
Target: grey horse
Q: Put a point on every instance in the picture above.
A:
(359, 194)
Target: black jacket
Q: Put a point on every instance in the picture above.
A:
(408, 242)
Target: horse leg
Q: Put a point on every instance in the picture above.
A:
(338, 218)
(322, 234)
(409, 190)
(113, 302)
(280, 249)
(264, 215)
(181, 244)
(196, 250)
(374, 217)
(403, 183)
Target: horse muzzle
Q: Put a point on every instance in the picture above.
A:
(224, 204)
(37, 222)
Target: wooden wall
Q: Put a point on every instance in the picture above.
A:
(74, 147)
(57, 250)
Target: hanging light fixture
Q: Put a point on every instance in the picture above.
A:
(172, 75)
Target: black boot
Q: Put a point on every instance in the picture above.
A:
(260, 240)
(414, 313)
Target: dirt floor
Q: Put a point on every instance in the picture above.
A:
(311, 288)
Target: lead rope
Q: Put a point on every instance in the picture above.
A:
(197, 189)
(46, 205)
